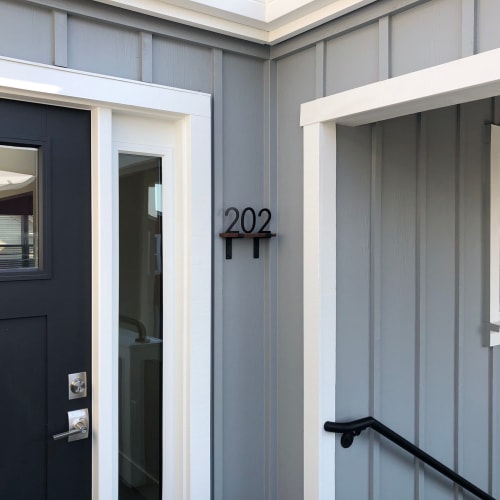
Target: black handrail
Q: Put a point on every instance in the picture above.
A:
(352, 429)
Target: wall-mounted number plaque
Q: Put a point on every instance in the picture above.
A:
(248, 221)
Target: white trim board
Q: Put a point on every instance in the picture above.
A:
(469, 79)
(494, 235)
(266, 22)
(50, 84)
(189, 113)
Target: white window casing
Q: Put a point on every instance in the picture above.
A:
(495, 235)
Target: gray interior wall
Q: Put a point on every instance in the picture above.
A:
(97, 38)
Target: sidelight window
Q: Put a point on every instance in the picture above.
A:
(141, 332)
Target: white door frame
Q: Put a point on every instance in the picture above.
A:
(464, 80)
(190, 115)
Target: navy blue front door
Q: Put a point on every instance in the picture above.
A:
(45, 299)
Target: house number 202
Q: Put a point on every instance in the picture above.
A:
(248, 219)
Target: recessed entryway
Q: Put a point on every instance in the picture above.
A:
(119, 111)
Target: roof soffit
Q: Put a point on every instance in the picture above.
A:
(261, 21)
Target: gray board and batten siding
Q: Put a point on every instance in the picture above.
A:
(411, 265)
(410, 241)
(97, 38)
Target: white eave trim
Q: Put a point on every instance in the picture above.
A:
(277, 10)
(285, 26)
(197, 19)
(464, 80)
(266, 22)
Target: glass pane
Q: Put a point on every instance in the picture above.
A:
(18, 207)
(140, 344)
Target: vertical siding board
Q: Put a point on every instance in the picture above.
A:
(475, 368)
(146, 45)
(414, 48)
(468, 27)
(244, 452)
(103, 48)
(384, 70)
(270, 290)
(60, 38)
(218, 275)
(26, 32)
(437, 296)
(420, 304)
(352, 59)
(353, 302)
(398, 238)
(375, 303)
(320, 69)
(459, 300)
(488, 34)
(182, 65)
(495, 423)
(494, 375)
(296, 84)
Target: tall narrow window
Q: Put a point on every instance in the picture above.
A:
(141, 318)
(18, 207)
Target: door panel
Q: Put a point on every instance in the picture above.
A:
(24, 397)
(45, 316)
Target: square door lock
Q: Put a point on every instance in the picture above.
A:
(77, 385)
(78, 426)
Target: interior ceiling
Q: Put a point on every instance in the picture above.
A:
(262, 21)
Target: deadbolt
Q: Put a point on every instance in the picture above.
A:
(77, 385)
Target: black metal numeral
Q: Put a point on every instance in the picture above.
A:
(268, 220)
(237, 213)
(243, 217)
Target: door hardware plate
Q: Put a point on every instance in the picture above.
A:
(78, 416)
(77, 385)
